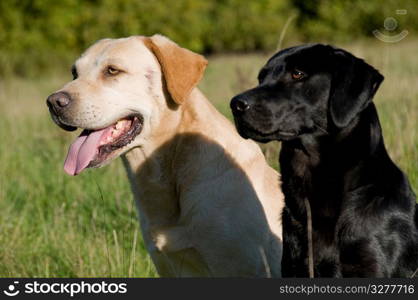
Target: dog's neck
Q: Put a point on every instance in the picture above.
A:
(321, 164)
(190, 134)
(360, 140)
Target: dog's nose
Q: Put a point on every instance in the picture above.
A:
(59, 100)
(239, 104)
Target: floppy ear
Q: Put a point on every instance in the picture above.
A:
(353, 86)
(182, 68)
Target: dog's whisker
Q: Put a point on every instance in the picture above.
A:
(320, 128)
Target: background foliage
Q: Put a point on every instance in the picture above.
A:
(56, 225)
(53, 224)
(37, 35)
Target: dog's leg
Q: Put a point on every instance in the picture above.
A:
(172, 239)
(294, 247)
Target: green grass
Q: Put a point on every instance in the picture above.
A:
(56, 225)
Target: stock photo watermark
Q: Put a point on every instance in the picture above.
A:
(12, 290)
(65, 288)
(390, 25)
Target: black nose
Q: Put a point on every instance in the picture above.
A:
(59, 100)
(239, 104)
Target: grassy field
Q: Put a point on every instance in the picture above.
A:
(56, 225)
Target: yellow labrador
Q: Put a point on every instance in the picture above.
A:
(209, 204)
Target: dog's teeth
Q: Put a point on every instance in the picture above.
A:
(115, 133)
(119, 125)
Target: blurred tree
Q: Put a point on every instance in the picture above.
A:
(344, 20)
(38, 35)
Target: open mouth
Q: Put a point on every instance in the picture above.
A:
(93, 147)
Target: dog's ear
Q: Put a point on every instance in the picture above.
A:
(182, 68)
(353, 85)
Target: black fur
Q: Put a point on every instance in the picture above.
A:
(333, 154)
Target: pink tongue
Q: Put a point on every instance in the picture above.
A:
(83, 150)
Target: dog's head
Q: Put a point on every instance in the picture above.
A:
(121, 92)
(305, 89)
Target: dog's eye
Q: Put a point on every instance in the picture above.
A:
(112, 71)
(297, 75)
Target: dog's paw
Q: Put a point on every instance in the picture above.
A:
(160, 241)
(171, 239)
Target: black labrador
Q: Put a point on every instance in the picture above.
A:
(317, 100)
